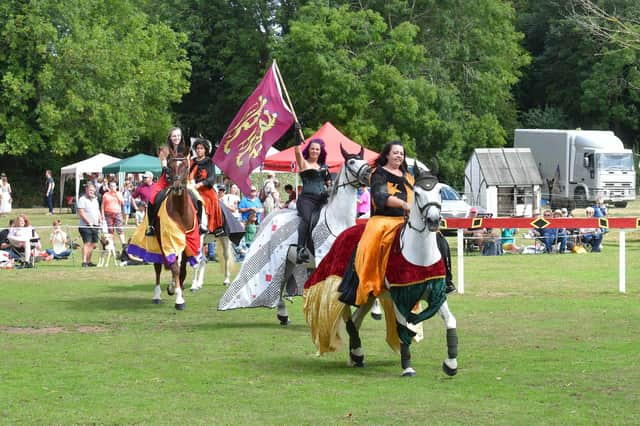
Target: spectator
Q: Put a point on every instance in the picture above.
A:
(250, 229)
(20, 236)
(48, 195)
(290, 203)
(250, 203)
(592, 236)
(551, 236)
(139, 215)
(5, 244)
(90, 220)
(599, 208)
(364, 201)
(126, 200)
(111, 210)
(142, 193)
(509, 242)
(269, 188)
(5, 195)
(232, 200)
(474, 236)
(59, 242)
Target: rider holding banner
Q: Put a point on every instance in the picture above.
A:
(314, 173)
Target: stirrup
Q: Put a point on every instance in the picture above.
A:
(150, 232)
(302, 256)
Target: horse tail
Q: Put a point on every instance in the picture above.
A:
(325, 315)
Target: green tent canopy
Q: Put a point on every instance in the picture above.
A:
(137, 164)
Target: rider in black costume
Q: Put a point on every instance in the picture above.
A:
(314, 173)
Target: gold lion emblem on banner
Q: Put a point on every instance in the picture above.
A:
(257, 121)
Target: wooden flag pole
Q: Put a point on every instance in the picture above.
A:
(286, 94)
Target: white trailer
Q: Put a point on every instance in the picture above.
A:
(578, 166)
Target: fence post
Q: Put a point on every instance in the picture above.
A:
(623, 266)
(460, 261)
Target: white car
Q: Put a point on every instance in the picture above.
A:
(453, 205)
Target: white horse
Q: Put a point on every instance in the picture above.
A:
(199, 269)
(269, 272)
(416, 258)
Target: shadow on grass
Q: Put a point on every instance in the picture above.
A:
(92, 304)
(336, 364)
(216, 324)
(131, 287)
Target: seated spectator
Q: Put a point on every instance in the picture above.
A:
(59, 242)
(140, 212)
(22, 235)
(491, 243)
(474, 236)
(552, 236)
(592, 236)
(509, 242)
(5, 244)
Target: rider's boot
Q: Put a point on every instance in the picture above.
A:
(302, 254)
(152, 215)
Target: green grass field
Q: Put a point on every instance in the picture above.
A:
(544, 339)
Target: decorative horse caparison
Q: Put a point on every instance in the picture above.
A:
(176, 240)
(414, 272)
(269, 272)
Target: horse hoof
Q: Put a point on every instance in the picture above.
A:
(376, 317)
(356, 360)
(157, 301)
(181, 306)
(408, 372)
(448, 370)
(284, 320)
(194, 289)
(226, 282)
(170, 292)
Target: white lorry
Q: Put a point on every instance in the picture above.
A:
(579, 165)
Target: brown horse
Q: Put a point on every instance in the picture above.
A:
(181, 211)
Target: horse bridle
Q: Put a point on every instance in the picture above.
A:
(170, 176)
(429, 183)
(355, 183)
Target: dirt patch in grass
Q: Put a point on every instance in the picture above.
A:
(52, 330)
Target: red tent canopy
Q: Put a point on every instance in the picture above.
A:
(282, 161)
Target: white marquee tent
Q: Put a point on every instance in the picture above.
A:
(77, 170)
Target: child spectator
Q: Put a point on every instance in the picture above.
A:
(142, 209)
(59, 242)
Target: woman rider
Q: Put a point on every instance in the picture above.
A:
(203, 174)
(174, 147)
(313, 173)
(391, 195)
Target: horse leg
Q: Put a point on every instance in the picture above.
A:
(283, 314)
(376, 310)
(405, 361)
(198, 272)
(157, 291)
(226, 253)
(179, 273)
(450, 365)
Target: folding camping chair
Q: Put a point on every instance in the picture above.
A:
(24, 252)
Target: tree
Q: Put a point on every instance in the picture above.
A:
(85, 76)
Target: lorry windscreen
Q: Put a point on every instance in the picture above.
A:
(622, 161)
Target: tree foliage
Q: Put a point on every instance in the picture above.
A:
(85, 76)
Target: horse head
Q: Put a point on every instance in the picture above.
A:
(427, 199)
(356, 170)
(178, 171)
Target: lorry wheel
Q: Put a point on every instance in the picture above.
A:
(580, 197)
(621, 204)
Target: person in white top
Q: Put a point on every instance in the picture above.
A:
(21, 236)
(5, 195)
(59, 241)
(231, 200)
(90, 221)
